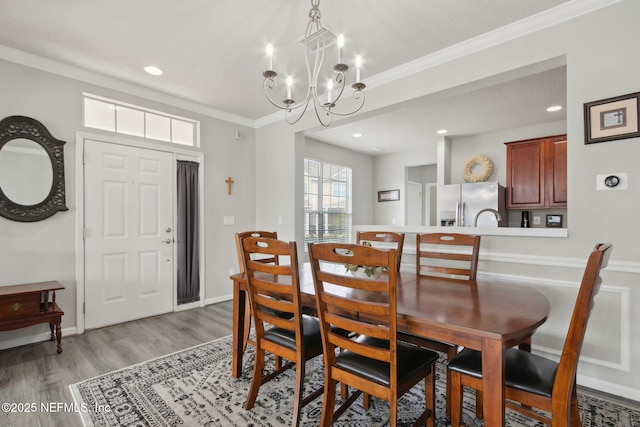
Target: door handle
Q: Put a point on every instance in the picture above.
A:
(168, 240)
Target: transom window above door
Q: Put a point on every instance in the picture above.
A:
(114, 116)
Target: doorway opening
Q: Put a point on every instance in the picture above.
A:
(420, 185)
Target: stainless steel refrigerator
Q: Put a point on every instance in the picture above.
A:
(459, 204)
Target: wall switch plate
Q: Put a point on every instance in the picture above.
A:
(603, 181)
(536, 220)
(279, 219)
(229, 220)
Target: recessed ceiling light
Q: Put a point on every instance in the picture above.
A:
(376, 149)
(554, 108)
(441, 132)
(154, 71)
(357, 135)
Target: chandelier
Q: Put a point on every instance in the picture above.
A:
(315, 40)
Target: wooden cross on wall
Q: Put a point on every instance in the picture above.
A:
(229, 181)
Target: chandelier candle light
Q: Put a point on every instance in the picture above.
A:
(315, 40)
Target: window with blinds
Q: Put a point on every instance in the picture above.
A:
(327, 202)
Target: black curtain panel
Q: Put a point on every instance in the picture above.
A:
(188, 244)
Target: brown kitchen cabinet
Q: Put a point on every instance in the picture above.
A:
(537, 173)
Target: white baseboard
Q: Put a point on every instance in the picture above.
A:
(189, 306)
(218, 299)
(609, 387)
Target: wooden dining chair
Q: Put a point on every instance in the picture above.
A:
(274, 289)
(268, 259)
(532, 380)
(447, 254)
(451, 255)
(383, 236)
(242, 235)
(372, 361)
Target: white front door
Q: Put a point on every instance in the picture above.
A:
(129, 271)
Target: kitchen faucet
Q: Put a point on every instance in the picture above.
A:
(495, 212)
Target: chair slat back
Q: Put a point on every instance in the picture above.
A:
(273, 288)
(589, 288)
(383, 236)
(339, 296)
(448, 255)
(240, 236)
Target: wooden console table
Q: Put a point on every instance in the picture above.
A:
(31, 304)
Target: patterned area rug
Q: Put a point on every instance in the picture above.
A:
(194, 387)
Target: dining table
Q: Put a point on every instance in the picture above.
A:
(482, 315)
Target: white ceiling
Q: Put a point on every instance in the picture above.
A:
(212, 54)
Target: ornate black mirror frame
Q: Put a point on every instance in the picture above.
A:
(14, 127)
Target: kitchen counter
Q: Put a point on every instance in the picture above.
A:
(480, 231)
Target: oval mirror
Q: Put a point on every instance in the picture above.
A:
(26, 174)
(31, 170)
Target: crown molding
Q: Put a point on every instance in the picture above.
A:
(271, 118)
(548, 18)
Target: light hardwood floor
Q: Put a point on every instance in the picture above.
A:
(37, 374)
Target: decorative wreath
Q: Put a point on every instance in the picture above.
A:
(478, 159)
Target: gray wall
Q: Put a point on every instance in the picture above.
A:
(391, 173)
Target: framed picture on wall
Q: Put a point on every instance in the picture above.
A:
(554, 221)
(388, 195)
(612, 118)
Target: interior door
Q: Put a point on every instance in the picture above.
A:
(129, 272)
(414, 203)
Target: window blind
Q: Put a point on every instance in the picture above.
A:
(327, 202)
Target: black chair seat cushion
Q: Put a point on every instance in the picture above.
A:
(411, 359)
(281, 314)
(286, 338)
(524, 371)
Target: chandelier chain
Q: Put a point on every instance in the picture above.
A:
(314, 13)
